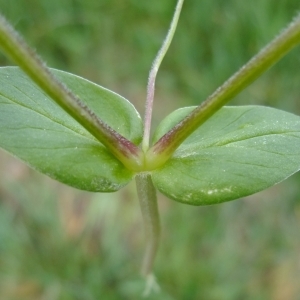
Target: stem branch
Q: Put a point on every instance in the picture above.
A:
(17, 49)
(275, 50)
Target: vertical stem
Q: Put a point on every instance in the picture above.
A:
(148, 202)
(152, 75)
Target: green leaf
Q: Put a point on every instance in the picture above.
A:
(237, 152)
(36, 130)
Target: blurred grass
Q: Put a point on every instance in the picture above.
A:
(60, 243)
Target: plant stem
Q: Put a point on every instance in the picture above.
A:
(17, 49)
(152, 75)
(275, 50)
(148, 203)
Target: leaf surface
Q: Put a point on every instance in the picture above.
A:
(237, 152)
(39, 132)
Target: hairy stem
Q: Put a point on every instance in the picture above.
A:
(17, 49)
(153, 72)
(148, 202)
(274, 51)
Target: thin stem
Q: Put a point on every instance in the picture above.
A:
(148, 203)
(153, 72)
(274, 51)
(17, 49)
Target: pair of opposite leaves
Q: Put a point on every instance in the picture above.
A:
(237, 152)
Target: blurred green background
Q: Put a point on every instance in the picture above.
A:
(60, 243)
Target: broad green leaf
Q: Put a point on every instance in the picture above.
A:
(36, 130)
(237, 152)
